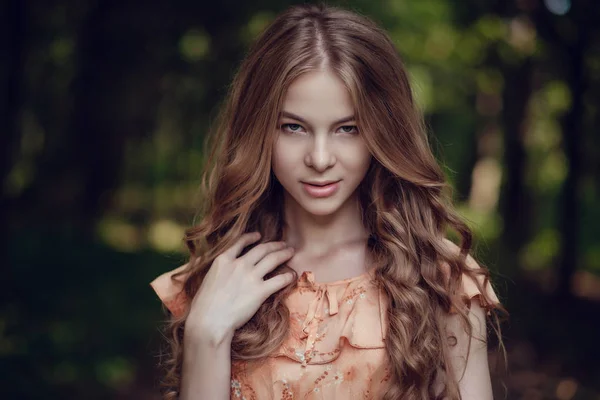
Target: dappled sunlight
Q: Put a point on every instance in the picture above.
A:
(61, 50)
(487, 226)
(19, 178)
(441, 42)
(9, 344)
(194, 45)
(586, 285)
(489, 80)
(23, 172)
(543, 134)
(548, 165)
(551, 172)
(166, 236)
(161, 235)
(591, 259)
(566, 389)
(120, 235)
(131, 198)
(255, 26)
(492, 27)
(420, 80)
(541, 252)
(522, 35)
(557, 96)
(115, 372)
(558, 7)
(485, 185)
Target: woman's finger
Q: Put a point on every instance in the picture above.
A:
(245, 240)
(273, 260)
(276, 283)
(259, 251)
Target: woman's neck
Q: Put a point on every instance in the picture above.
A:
(318, 234)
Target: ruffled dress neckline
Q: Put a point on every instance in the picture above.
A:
(307, 278)
(316, 337)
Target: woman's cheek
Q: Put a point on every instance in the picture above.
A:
(358, 158)
(285, 161)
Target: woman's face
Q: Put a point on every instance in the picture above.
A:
(318, 142)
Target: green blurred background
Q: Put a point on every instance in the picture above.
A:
(103, 127)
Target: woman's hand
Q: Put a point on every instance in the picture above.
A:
(234, 288)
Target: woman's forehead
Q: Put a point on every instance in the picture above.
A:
(318, 96)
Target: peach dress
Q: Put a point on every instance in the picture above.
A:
(336, 345)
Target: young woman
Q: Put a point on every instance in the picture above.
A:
(320, 269)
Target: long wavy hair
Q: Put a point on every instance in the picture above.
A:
(405, 200)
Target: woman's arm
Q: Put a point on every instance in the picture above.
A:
(206, 370)
(473, 376)
(232, 291)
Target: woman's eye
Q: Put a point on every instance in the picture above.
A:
(297, 128)
(291, 127)
(349, 129)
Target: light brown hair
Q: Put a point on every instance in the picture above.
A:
(406, 202)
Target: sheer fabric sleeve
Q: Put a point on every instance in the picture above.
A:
(170, 291)
(468, 290)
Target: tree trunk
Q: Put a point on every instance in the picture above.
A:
(515, 202)
(572, 129)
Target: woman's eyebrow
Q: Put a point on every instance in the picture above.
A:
(296, 117)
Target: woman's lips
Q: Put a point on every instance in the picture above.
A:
(321, 191)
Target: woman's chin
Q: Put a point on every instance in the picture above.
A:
(321, 209)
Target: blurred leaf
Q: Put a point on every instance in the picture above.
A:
(194, 45)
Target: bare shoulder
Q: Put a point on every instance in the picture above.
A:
(469, 354)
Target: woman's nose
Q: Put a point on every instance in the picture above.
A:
(320, 156)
